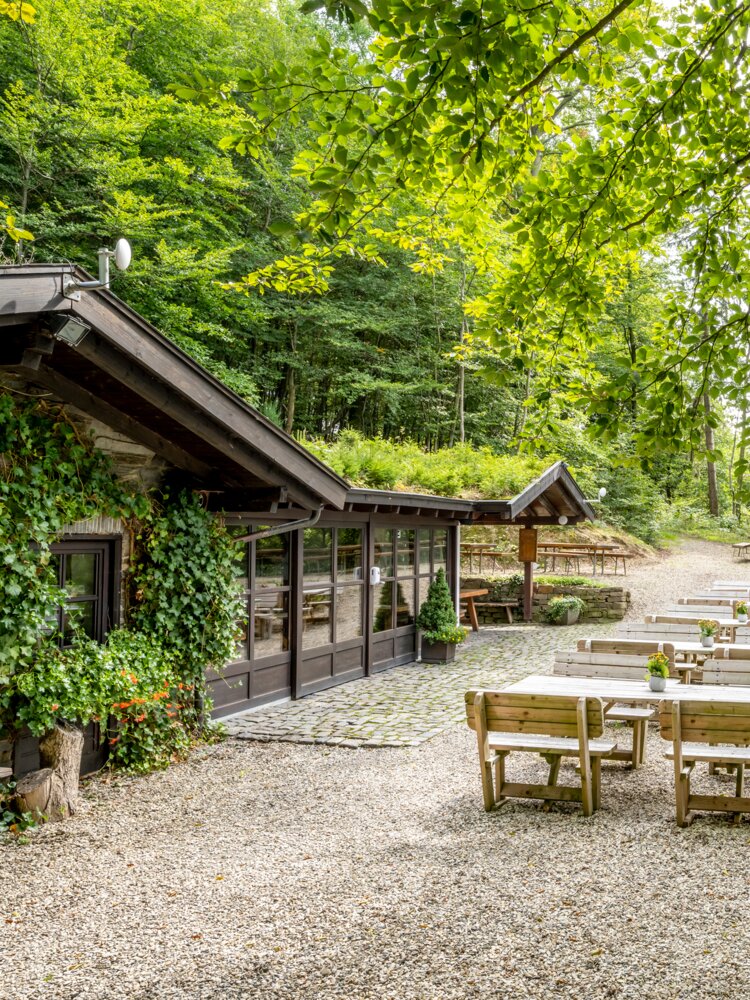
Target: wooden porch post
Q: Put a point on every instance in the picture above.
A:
(528, 590)
(527, 539)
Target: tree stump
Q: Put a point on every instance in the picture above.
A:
(51, 793)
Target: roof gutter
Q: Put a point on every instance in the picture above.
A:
(283, 529)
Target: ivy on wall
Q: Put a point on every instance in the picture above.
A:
(146, 683)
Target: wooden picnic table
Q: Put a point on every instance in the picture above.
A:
(468, 596)
(727, 626)
(611, 691)
(592, 550)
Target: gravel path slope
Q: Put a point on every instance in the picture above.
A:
(282, 871)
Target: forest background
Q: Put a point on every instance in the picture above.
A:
(372, 360)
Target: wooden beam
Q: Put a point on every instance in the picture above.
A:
(86, 401)
(135, 340)
(161, 395)
(264, 499)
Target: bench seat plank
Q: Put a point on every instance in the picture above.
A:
(564, 746)
(701, 752)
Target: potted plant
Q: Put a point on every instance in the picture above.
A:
(437, 620)
(564, 610)
(740, 611)
(708, 628)
(657, 666)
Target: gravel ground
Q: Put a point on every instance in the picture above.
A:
(283, 871)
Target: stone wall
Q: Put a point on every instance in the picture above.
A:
(602, 603)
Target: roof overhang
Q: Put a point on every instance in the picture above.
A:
(554, 495)
(125, 373)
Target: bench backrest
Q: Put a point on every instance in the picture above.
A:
(725, 593)
(731, 583)
(685, 619)
(718, 611)
(616, 665)
(708, 601)
(629, 647)
(721, 669)
(706, 722)
(667, 631)
(542, 715)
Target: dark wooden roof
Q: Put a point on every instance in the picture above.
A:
(127, 374)
(553, 495)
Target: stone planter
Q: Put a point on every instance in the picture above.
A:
(438, 652)
(569, 618)
(742, 618)
(707, 641)
(657, 683)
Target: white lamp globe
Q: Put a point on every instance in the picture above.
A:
(123, 254)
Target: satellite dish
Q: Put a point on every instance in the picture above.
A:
(602, 489)
(123, 254)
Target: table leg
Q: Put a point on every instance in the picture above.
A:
(472, 611)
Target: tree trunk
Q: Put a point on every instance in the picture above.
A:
(713, 492)
(51, 794)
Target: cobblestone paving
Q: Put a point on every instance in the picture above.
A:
(407, 705)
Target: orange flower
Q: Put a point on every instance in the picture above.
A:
(133, 679)
(113, 740)
(54, 708)
(140, 718)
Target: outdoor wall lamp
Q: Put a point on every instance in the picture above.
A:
(70, 331)
(121, 255)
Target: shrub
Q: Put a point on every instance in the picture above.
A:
(437, 616)
(558, 607)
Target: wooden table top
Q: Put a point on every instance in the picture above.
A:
(698, 647)
(473, 593)
(609, 689)
(590, 546)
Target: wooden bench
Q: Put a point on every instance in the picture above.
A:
(696, 729)
(661, 631)
(552, 726)
(6, 773)
(618, 665)
(508, 605)
(727, 666)
(703, 610)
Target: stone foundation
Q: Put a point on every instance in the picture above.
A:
(602, 603)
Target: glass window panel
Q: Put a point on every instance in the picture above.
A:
(80, 574)
(425, 544)
(317, 620)
(383, 605)
(424, 583)
(405, 614)
(349, 554)
(241, 559)
(243, 625)
(317, 562)
(78, 616)
(405, 554)
(270, 624)
(348, 613)
(384, 550)
(440, 549)
(272, 562)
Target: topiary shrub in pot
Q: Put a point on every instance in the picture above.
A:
(564, 610)
(437, 620)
